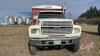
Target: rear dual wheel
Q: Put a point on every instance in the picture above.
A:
(99, 29)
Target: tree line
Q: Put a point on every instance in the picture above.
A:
(93, 12)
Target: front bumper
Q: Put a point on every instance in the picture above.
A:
(52, 42)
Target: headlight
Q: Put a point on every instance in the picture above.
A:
(77, 30)
(33, 30)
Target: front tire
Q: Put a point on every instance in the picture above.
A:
(73, 47)
(32, 49)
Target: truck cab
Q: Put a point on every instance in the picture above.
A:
(51, 28)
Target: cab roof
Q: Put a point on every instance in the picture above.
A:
(48, 7)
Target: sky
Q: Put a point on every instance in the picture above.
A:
(20, 7)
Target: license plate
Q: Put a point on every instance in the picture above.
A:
(57, 42)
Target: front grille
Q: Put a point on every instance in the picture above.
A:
(53, 30)
(57, 23)
(56, 27)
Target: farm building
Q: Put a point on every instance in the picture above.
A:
(11, 20)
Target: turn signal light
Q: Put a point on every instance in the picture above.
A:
(35, 21)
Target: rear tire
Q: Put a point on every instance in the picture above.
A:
(99, 29)
(32, 49)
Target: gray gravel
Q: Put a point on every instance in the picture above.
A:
(14, 39)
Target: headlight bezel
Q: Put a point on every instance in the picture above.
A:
(77, 30)
(34, 31)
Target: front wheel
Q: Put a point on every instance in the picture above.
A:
(32, 49)
(73, 47)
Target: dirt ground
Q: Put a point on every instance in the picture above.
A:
(14, 39)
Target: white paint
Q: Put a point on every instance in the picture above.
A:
(48, 7)
(39, 34)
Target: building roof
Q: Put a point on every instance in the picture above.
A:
(48, 7)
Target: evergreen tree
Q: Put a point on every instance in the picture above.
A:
(98, 13)
(91, 13)
(95, 11)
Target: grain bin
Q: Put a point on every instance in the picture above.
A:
(28, 20)
(19, 19)
(10, 20)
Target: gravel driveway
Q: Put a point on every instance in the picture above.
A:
(14, 39)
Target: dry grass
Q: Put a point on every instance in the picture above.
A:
(14, 39)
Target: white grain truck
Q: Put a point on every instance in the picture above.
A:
(50, 28)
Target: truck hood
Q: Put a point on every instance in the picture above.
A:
(54, 19)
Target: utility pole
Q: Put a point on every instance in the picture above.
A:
(59, 2)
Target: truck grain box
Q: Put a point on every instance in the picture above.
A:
(50, 28)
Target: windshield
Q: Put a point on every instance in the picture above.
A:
(51, 15)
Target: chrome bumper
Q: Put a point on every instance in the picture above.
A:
(51, 42)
